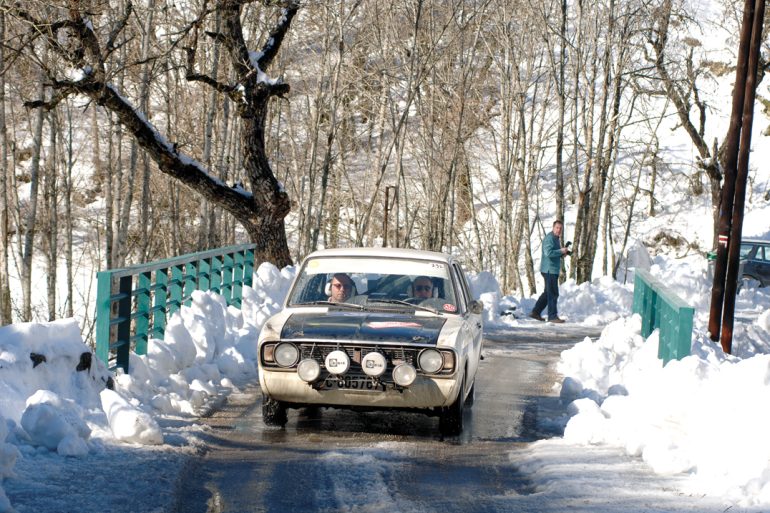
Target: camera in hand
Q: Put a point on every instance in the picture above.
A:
(569, 249)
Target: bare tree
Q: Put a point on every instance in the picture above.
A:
(83, 43)
(682, 90)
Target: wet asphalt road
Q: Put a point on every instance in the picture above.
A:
(328, 460)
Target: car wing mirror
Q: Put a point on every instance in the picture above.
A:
(476, 307)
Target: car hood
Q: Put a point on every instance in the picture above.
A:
(362, 326)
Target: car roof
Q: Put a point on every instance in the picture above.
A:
(384, 253)
(754, 241)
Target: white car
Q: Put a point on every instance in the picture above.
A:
(374, 328)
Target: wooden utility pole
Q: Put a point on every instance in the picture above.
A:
(738, 143)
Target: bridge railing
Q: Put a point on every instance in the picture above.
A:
(134, 303)
(662, 309)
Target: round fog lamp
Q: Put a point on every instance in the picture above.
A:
(286, 355)
(431, 361)
(308, 370)
(374, 364)
(404, 374)
(337, 362)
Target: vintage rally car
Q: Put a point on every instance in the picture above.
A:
(373, 328)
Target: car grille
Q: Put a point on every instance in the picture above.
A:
(394, 355)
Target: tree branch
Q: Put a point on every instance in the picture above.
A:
(51, 104)
(118, 28)
(276, 36)
(219, 86)
(169, 160)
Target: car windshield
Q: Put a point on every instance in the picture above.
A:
(371, 281)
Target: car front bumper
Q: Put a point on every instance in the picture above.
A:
(425, 392)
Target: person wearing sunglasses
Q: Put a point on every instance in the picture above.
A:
(341, 288)
(422, 287)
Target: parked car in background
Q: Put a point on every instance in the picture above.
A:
(756, 254)
(373, 329)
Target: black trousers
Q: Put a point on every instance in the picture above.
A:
(549, 297)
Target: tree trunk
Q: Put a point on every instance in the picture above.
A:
(52, 230)
(206, 222)
(109, 207)
(68, 219)
(31, 217)
(6, 316)
(562, 97)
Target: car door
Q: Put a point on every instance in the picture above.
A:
(472, 323)
(748, 256)
(762, 264)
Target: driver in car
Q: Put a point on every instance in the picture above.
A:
(422, 287)
(341, 288)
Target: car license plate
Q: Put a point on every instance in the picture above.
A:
(353, 383)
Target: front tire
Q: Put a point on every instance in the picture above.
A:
(273, 412)
(451, 418)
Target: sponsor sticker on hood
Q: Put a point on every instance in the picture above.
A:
(393, 324)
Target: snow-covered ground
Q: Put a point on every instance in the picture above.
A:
(702, 421)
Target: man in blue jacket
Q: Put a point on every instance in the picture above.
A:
(550, 265)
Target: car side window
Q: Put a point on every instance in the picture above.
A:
(745, 251)
(763, 253)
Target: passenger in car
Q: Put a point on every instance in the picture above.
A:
(422, 287)
(341, 288)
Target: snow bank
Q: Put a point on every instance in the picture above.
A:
(705, 416)
(54, 396)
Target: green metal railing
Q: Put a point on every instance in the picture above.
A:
(134, 303)
(660, 308)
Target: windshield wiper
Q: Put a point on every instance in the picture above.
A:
(329, 303)
(405, 303)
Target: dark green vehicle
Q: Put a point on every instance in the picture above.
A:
(756, 267)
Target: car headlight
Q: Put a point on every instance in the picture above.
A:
(308, 370)
(430, 361)
(286, 354)
(404, 374)
(337, 362)
(374, 364)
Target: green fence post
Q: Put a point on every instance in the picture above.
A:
(227, 278)
(176, 287)
(159, 311)
(143, 302)
(683, 342)
(103, 315)
(190, 281)
(216, 274)
(648, 307)
(123, 342)
(205, 275)
(238, 266)
(248, 267)
(664, 331)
